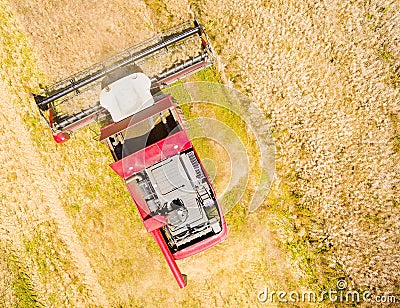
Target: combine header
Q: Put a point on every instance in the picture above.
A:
(144, 130)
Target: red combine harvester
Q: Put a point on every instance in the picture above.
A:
(144, 130)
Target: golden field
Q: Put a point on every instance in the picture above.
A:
(326, 75)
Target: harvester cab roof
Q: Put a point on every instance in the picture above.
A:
(127, 96)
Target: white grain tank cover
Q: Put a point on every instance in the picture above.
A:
(127, 96)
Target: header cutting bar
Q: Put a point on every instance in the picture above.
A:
(43, 101)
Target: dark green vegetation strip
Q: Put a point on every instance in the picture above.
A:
(16, 284)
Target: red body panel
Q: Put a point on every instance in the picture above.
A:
(152, 154)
